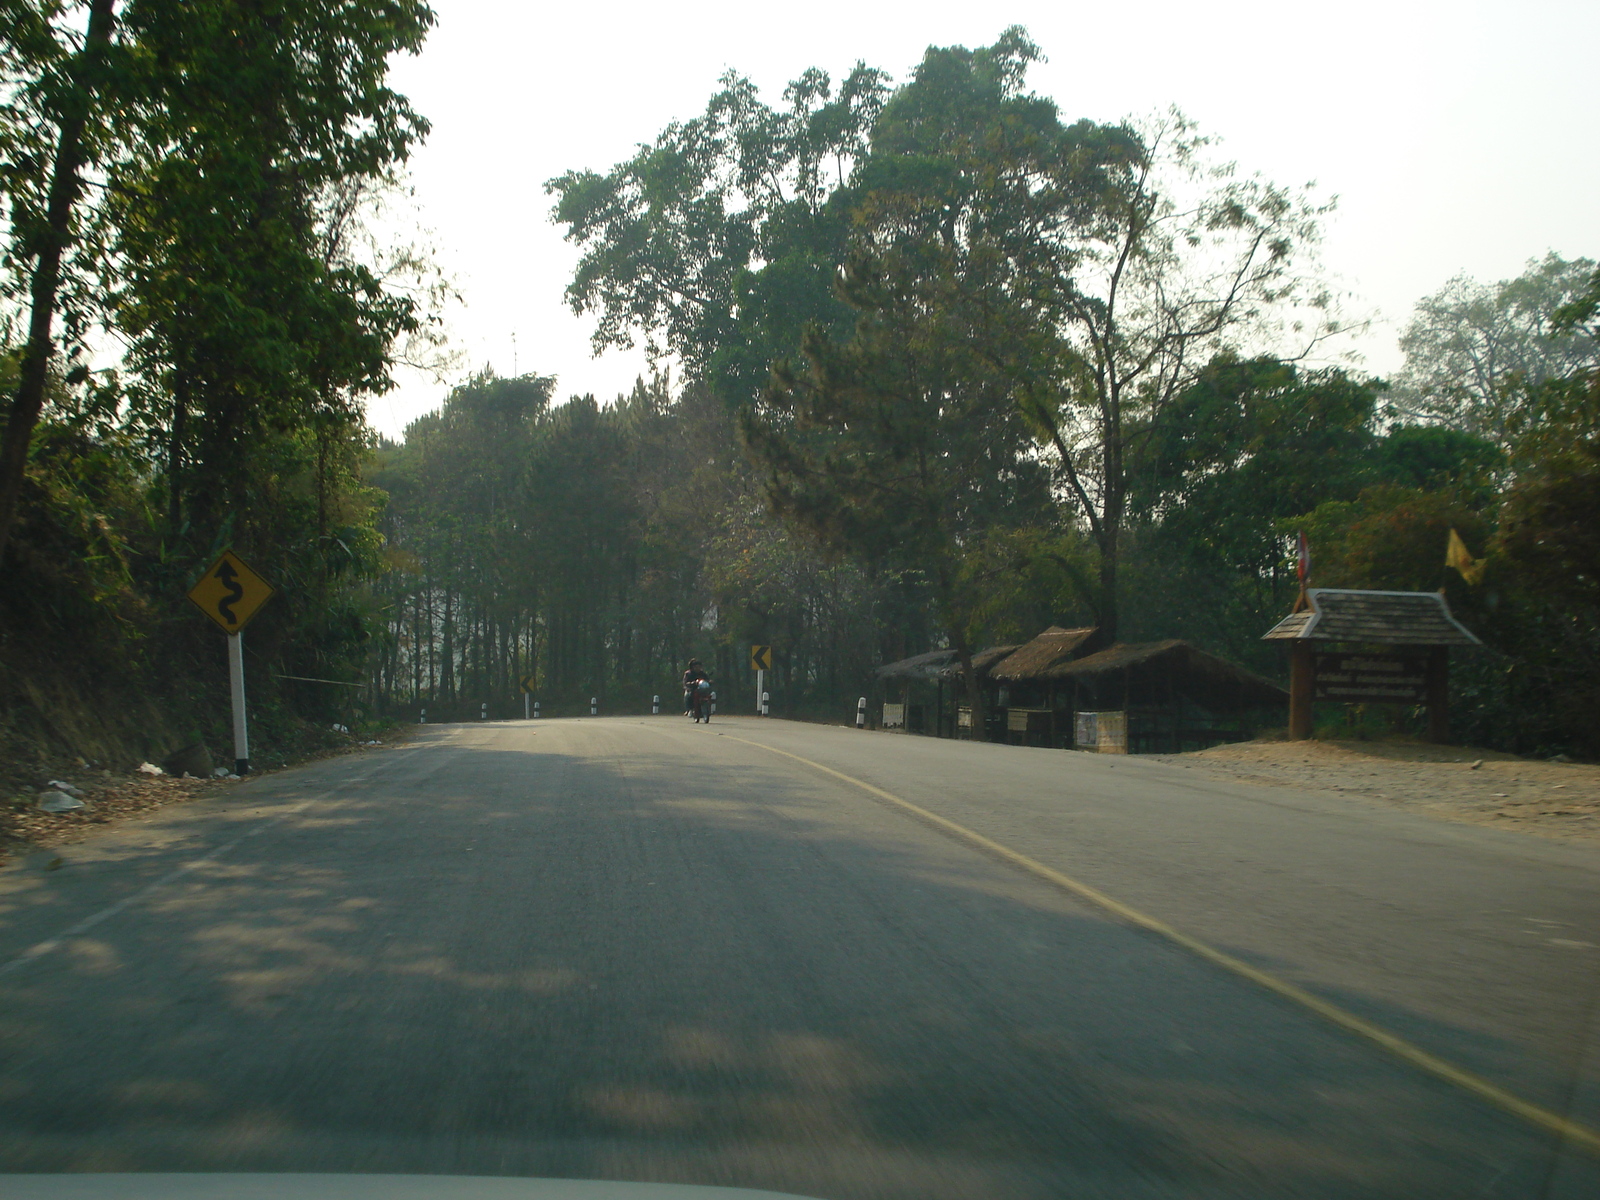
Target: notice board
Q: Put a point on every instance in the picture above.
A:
(1372, 678)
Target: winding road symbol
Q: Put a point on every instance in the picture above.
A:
(230, 593)
(230, 580)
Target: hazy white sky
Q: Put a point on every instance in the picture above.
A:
(1458, 136)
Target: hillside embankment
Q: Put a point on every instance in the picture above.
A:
(1454, 783)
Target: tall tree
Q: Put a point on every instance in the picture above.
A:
(901, 449)
(57, 89)
(717, 242)
(1179, 261)
(246, 315)
(1477, 353)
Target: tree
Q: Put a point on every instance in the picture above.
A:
(1090, 271)
(717, 242)
(899, 449)
(1476, 353)
(58, 88)
(1181, 261)
(230, 274)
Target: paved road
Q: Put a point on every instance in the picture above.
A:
(640, 949)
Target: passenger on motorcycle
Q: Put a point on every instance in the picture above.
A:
(691, 678)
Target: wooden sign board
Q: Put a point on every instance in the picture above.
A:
(1372, 678)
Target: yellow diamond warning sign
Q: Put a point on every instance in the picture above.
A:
(230, 593)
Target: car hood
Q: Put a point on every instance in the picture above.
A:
(272, 1186)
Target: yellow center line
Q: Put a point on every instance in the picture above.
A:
(1571, 1131)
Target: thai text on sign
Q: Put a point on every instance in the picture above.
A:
(1372, 678)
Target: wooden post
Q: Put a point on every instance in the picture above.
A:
(1439, 694)
(1302, 670)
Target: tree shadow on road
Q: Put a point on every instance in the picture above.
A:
(559, 964)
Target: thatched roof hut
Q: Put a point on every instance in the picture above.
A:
(919, 668)
(1050, 649)
(1218, 684)
(983, 663)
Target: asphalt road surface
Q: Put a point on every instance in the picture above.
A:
(636, 948)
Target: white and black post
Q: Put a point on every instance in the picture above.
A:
(241, 732)
(655, 706)
(594, 706)
(766, 705)
(861, 713)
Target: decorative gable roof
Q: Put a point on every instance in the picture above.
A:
(1380, 618)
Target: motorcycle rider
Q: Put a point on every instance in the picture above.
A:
(691, 678)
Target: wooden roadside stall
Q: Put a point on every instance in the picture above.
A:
(1353, 646)
(1032, 698)
(1167, 696)
(906, 687)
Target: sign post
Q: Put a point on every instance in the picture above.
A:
(241, 732)
(230, 593)
(527, 682)
(760, 663)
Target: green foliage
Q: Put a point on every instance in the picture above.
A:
(897, 448)
(1245, 446)
(596, 548)
(717, 241)
(1390, 537)
(1435, 458)
(236, 145)
(1549, 534)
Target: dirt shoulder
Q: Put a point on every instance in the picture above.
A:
(109, 798)
(1453, 783)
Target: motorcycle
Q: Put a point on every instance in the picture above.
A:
(704, 700)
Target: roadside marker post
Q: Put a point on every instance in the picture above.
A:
(861, 713)
(535, 710)
(655, 706)
(766, 702)
(594, 706)
(423, 718)
(241, 730)
(483, 712)
(760, 663)
(230, 593)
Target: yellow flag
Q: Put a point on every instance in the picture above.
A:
(1455, 555)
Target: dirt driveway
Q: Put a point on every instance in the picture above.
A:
(1551, 799)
